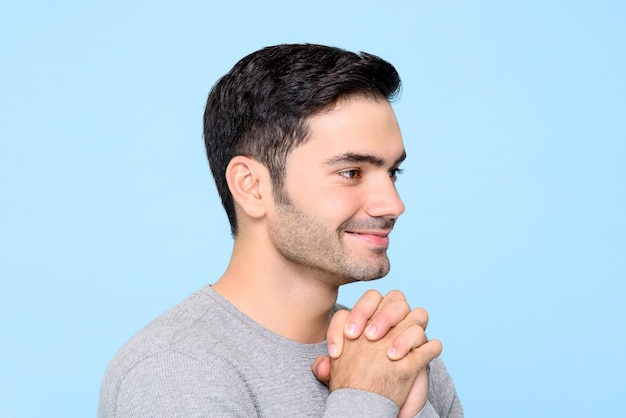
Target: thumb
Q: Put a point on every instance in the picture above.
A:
(321, 369)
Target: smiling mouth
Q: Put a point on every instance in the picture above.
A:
(378, 233)
(372, 238)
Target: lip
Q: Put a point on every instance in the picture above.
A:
(374, 238)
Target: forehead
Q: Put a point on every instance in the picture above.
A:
(356, 126)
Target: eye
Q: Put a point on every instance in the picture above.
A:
(393, 173)
(353, 174)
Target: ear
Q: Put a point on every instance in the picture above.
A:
(247, 180)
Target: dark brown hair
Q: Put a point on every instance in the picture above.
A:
(260, 107)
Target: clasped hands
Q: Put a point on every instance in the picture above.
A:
(380, 346)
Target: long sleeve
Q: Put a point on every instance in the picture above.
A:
(353, 403)
(171, 384)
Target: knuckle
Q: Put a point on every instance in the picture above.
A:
(421, 311)
(396, 302)
(372, 295)
(367, 302)
(403, 308)
(396, 295)
(339, 317)
(402, 342)
(420, 316)
(341, 313)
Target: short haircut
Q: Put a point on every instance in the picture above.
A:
(260, 108)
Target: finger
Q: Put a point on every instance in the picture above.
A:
(410, 338)
(391, 311)
(419, 316)
(334, 335)
(412, 334)
(321, 369)
(416, 399)
(425, 353)
(364, 309)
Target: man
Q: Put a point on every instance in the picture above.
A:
(304, 148)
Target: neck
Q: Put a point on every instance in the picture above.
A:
(276, 294)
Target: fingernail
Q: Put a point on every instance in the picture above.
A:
(332, 350)
(320, 370)
(392, 351)
(371, 330)
(351, 329)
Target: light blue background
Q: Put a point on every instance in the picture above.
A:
(514, 119)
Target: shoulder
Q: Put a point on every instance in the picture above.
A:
(159, 335)
(170, 383)
(170, 362)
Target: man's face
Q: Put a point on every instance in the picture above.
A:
(342, 198)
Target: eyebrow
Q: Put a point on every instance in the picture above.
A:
(349, 158)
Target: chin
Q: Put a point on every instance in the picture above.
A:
(373, 273)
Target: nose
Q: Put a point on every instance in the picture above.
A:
(384, 200)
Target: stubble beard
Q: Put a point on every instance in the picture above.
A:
(313, 246)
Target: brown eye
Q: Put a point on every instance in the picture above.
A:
(393, 173)
(350, 174)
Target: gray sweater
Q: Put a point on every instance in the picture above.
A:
(204, 358)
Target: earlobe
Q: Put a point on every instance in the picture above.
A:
(245, 177)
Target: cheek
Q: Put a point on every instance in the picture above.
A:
(335, 208)
(328, 204)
